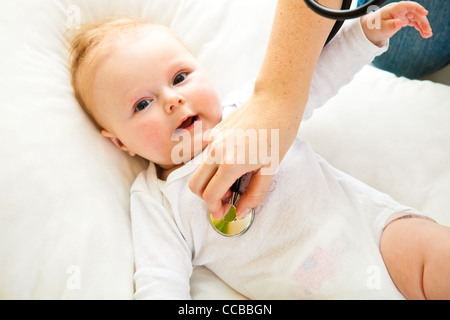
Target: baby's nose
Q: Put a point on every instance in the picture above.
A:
(176, 103)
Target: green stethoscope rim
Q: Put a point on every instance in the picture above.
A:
(221, 226)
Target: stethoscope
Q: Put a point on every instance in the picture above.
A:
(230, 226)
(342, 14)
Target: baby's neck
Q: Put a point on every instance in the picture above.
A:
(164, 173)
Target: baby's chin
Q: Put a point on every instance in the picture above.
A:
(163, 170)
(183, 153)
(190, 146)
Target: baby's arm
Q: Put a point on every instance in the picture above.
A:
(417, 255)
(384, 23)
(162, 257)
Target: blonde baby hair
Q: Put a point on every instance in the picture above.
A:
(86, 47)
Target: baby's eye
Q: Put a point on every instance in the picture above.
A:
(179, 78)
(141, 105)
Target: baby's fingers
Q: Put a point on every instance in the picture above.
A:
(411, 14)
(420, 22)
(390, 27)
(402, 8)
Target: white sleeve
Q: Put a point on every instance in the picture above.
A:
(163, 260)
(346, 54)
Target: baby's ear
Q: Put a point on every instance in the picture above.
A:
(117, 142)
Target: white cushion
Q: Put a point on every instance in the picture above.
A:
(64, 216)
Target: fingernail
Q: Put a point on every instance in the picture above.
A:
(244, 213)
(222, 214)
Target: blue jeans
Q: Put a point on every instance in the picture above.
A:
(410, 55)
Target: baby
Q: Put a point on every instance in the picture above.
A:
(318, 231)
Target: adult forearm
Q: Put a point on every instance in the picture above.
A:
(276, 107)
(297, 38)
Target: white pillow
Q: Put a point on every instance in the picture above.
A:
(392, 133)
(64, 217)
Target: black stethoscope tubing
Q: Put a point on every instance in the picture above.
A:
(342, 14)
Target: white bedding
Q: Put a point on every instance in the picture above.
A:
(64, 220)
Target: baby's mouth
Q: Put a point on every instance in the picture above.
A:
(187, 123)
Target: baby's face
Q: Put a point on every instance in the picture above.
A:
(149, 93)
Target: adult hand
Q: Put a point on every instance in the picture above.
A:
(248, 140)
(278, 101)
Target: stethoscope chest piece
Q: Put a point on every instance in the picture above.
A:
(230, 226)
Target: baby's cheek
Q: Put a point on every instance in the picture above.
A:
(149, 141)
(211, 106)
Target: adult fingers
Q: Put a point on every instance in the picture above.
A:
(201, 178)
(217, 189)
(255, 193)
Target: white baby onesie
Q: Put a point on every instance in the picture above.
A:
(315, 235)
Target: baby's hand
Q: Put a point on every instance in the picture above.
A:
(384, 23)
